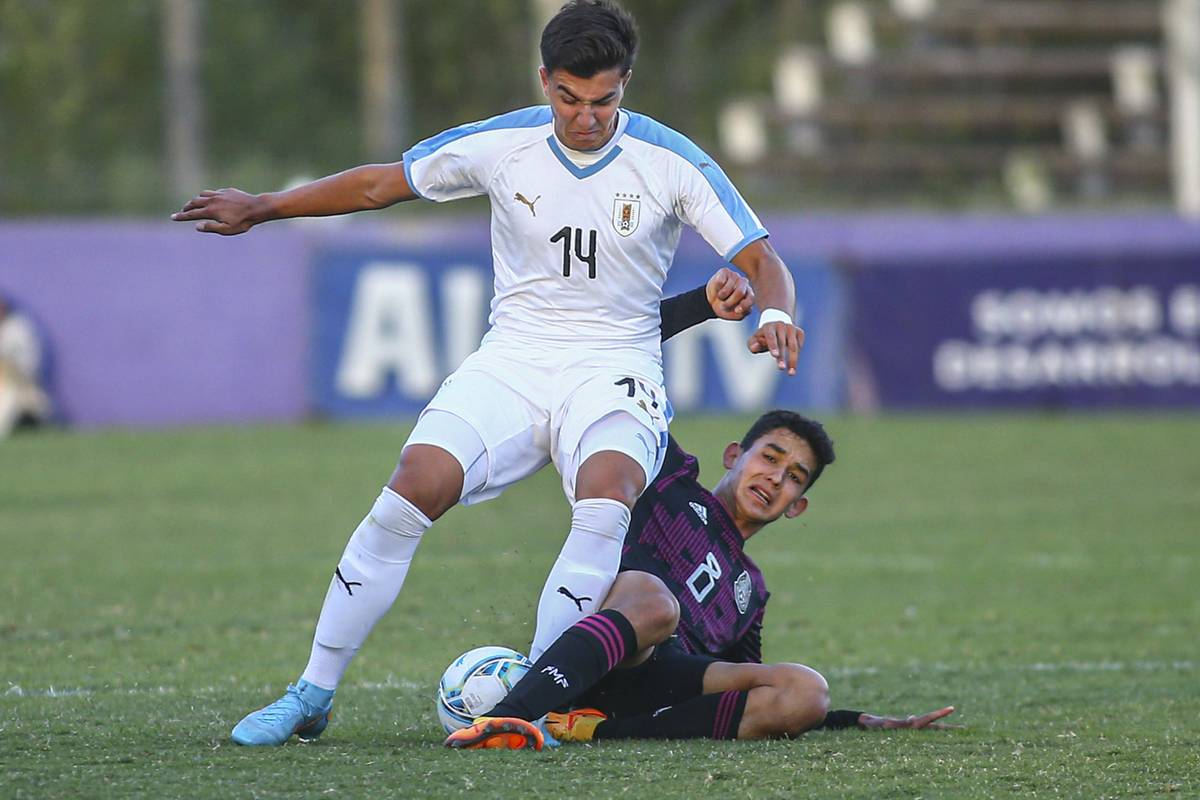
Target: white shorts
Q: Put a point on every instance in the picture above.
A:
(528, 411)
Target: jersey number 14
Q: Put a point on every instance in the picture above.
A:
(564, 235)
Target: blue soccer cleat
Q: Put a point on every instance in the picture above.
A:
(543, 726)
(303, 710)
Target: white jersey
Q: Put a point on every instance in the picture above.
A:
(580, 253)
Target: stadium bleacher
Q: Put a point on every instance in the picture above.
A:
(1022, 103)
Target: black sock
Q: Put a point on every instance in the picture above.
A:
(712, 716)
(584, 654)
(841, 718)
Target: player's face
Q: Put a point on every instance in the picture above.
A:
(585, 109)
(768, 479)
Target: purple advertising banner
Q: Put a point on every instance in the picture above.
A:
(389, 323)
(1066, 330)
(155, 324)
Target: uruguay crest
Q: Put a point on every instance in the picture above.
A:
(741, 591)
(626, 215)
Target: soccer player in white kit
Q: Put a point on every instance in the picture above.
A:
(588, 203)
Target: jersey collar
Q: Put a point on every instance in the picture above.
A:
(584, 164)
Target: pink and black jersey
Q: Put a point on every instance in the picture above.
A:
(681, 533)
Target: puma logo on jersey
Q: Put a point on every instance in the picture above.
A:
(520, 198)
(701, 512)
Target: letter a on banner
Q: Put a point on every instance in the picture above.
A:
(389, 332)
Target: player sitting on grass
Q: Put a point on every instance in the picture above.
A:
(684, 618)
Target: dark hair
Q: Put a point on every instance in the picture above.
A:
(807, 429)
(589, 36)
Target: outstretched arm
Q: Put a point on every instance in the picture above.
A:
(842, 718)
(727, 295)
(232, 211)
(930, 720)
(775, 291)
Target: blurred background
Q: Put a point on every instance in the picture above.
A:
(991, 209)
(986, 203)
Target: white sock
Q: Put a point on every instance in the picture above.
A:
(584, 572)
(365, 584)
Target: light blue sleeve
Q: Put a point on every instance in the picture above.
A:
(458, 162)
(705, 197)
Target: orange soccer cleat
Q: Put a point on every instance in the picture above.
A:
(507, 733)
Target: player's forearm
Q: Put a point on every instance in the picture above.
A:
(371, 186)
(682, 311)
(772, 282)
(773, 287)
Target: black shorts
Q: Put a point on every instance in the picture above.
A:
(670, 676)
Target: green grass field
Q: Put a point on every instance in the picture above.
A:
(1040, 573)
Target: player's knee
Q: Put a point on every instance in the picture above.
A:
(429, 478)
(662, 615)
(610, 475)
(648, 605)
(624, 492)
(803, 697)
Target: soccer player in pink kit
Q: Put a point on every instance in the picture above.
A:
(684, 618)
(587, 205)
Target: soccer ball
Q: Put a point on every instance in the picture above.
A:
(475, 682)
